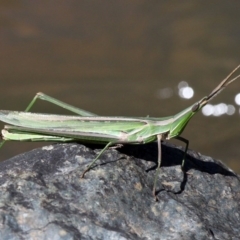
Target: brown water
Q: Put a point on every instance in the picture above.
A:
(112, 57)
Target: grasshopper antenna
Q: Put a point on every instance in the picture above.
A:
(223, 84)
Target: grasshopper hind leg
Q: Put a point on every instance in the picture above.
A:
(59, 103)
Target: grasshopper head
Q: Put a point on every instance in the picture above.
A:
(181, 119)
(200, 104)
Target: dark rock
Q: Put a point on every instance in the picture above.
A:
(43, 197)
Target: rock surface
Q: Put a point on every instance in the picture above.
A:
(43, 197)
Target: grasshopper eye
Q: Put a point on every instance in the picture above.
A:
(195, 107)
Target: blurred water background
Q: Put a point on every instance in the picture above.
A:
(125, 58)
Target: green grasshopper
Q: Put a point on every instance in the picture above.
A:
(91, 128)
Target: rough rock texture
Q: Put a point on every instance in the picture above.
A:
(43, 197)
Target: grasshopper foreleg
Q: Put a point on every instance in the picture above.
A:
(159, 138)
(186, 148)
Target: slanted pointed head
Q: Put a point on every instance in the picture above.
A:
(181, 119)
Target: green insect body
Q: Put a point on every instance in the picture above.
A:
(91, 128)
